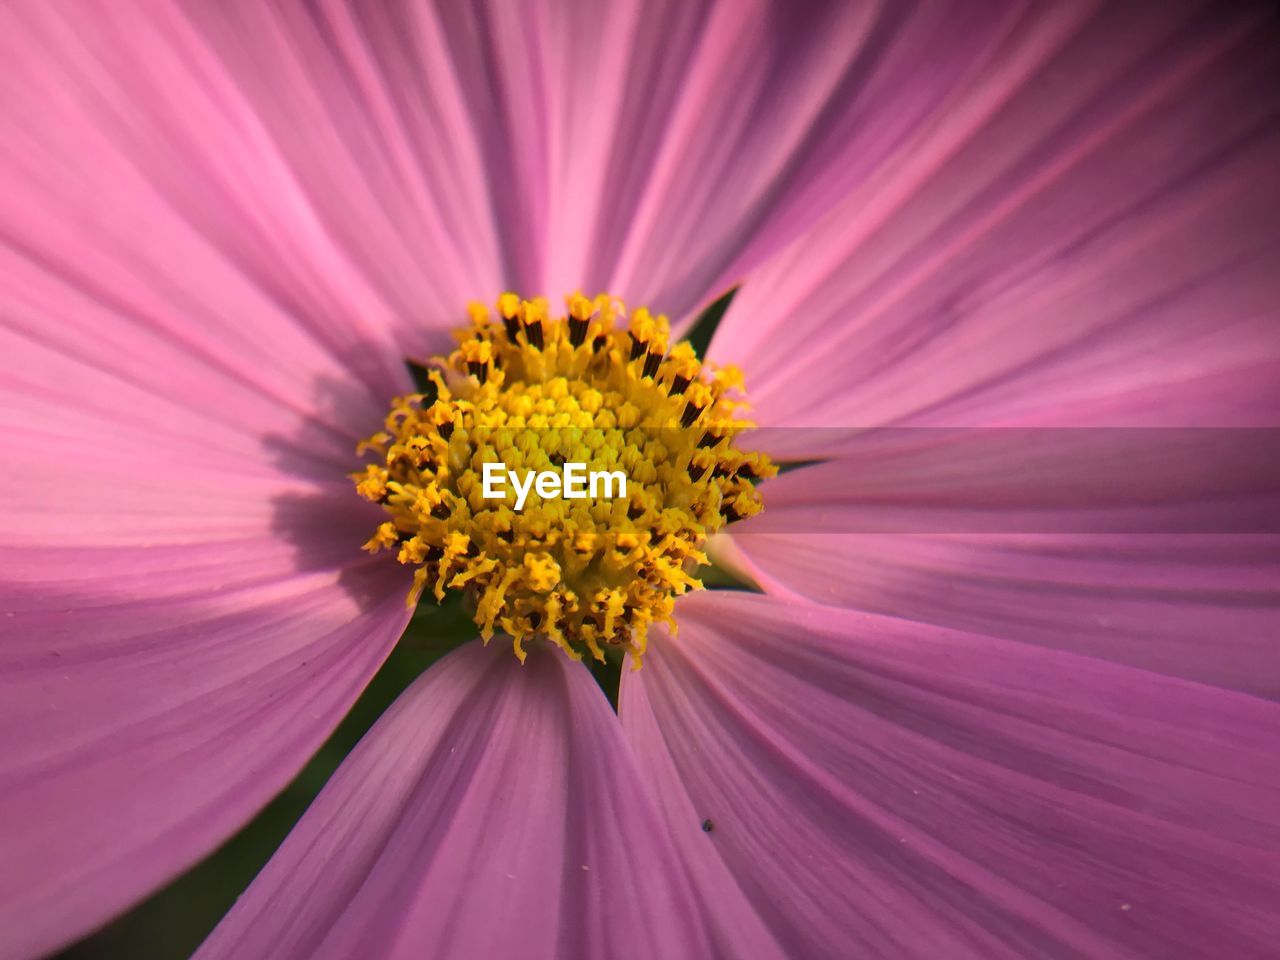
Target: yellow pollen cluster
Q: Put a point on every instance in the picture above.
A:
(533, 392)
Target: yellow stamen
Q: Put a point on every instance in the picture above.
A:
(533, 392)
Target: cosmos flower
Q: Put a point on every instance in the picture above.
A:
(226, 225)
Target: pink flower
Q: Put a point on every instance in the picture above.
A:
(225, 224)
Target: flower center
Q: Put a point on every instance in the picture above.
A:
(588, 566)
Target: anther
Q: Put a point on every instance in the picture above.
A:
(651, 362)
(580, 310)
(508, 308)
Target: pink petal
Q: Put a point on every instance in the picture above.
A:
(249, 154)
(495, 811)
(684, 142)
(151, 700)
(1148, 561)
(374, 167)
(887, 789)
(1086, 237)
(185, 610)
(188, 363)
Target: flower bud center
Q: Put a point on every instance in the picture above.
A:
(565, 475)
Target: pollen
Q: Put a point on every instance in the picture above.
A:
(532, 391)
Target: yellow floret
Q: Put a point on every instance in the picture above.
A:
(533, 392)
